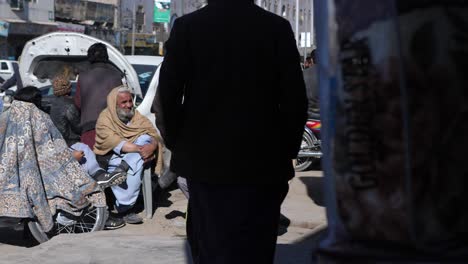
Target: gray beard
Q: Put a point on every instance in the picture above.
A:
(124, 116)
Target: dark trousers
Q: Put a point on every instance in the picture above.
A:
(234, 223)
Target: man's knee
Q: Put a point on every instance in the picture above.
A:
(81, 146)
(128, 195)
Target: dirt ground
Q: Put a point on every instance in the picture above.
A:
(302, 221)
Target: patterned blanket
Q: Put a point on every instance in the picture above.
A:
(38, 174)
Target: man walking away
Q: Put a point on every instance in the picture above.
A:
(233, 128)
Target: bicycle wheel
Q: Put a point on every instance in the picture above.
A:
(92, 219)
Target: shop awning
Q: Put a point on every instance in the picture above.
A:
(33, 28)
(68, 27)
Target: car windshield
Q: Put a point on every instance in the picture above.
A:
(145, 75)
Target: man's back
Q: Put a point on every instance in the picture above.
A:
(232, 125)
(95, 84)
(234, 114)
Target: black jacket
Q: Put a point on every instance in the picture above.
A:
(311, 82)
(232, 93)
(93, 87)
(66, 118)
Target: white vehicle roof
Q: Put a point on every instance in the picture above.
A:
(68, 45)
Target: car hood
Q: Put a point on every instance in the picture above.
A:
(68, 47)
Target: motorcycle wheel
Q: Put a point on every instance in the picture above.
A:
(302, 164)
(92, 219)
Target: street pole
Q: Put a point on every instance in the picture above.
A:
(280, 8)
(118, 22)
(133, 27)
(312, 26)
(305, 51)
(297, 22)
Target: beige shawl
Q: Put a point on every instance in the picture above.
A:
(110, 131)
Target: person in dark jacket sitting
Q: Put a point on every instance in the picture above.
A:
(66, 118)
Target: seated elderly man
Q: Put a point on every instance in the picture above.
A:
(130, 140)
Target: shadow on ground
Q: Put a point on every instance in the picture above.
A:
(174, 214)
(160, 199)
(314, 189)
(284, 223)
(20, 238)
(300, 252)
(162, 196)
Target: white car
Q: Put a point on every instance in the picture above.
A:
(6, 69)
(147, 69)
(44, 57)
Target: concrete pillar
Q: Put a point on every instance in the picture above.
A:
(312, 25)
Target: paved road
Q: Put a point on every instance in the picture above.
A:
(162, 239)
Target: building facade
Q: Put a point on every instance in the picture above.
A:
(21, 21)
(97, 18)
(148, 35)
(298, 12)
(113, 21)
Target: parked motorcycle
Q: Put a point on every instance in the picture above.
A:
(311, 146)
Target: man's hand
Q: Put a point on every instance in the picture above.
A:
(147, 151)
(78, 154)
(149, 159)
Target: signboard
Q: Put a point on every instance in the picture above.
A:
(4, 28)
(32, 29)
(162, 11)
(70, 27)
(141, 40)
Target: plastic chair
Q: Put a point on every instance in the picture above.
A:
(147, 184)
(147, 190)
